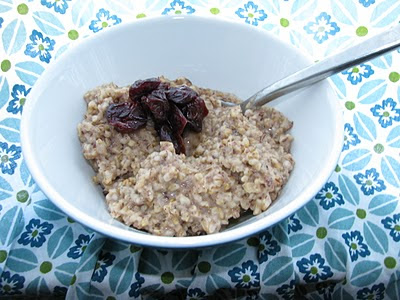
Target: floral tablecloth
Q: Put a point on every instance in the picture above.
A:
(344, 244)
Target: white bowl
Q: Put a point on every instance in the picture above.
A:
(212, 53)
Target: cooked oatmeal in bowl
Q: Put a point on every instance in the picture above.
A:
(194, 180)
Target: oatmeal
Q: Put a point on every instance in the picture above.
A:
(236, 163)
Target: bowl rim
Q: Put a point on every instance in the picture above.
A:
(149, 240)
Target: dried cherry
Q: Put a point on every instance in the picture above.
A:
(126, 117)
(173, 109)
(166, 134)
(142, 88)
(195, 112)
(181, 95)
(157, 104)
(177, 119)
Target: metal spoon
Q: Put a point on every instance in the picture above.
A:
(371, 48)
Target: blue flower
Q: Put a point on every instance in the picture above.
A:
(81, 244)
(8, 156)
(370, 182)
(322, 28)
(366, 3)
(195, 294)
(11, 285)
(60, 6)
(376, 292)
(246, 276)
(294, 224)
(393, 224)
(178, 7)
(357, 248)
(387, 112)
(1, 22)
(60, 291)
(35, 233)
(326, 289)
(251, 13)
(251, 294)
(357, 73)
(103, 20)
(40, 46)
(267, 246)
(287, 290)
(314, 268)
(329, 195)
(18, 94)
(100, 271)
(136, 286)
(350, 138)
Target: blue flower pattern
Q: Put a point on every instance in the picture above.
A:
(386, 113)
(105, 260)
(370, 182)
(329, 196)
(322, 28)
(356, 74)
(80, 246)
(314, 268)
(357, 248)
(136, 286)
(103, 21)
(376, 292)
(326, 289)
(286, 291)
(11, 284)
(41, 46)
(251, 13)
(350, 138)
(60, 6)
(196, 294)
(18, 94)
(245, 276)
(294, 224)
(35, 234)
(366, 3)
(381, 112)
(393, 224)
(9, 154)
(178, 7)
(267, 247)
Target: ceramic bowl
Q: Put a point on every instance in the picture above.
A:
(212, 53)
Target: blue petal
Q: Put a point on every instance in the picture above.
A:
(382, 205)
(82, 11)
(28, 71)
(278, 271)
(341, 218)
(345, 11)
(391, 170)
(372, 91)
(365, 273)
(365, 127)
(14, 36)
(375, 238)
(357, 159)
(48, 23)
(393, 138)
(385, 13)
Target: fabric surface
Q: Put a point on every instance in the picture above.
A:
(344, 244)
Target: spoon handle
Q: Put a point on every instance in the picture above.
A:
(364, 51)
